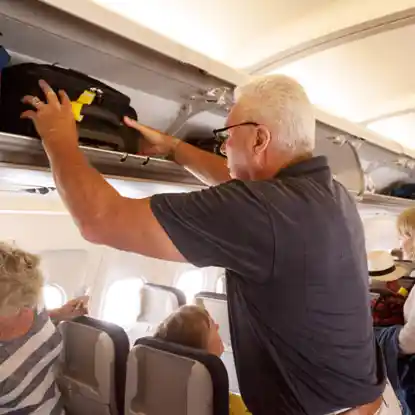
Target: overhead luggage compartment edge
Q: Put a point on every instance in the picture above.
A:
(50, 20)
(117, 24)
(22, 152)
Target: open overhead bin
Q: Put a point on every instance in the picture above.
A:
(171, 88)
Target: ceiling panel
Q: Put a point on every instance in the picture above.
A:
(215, 28)
(400, 128)
(358, 80)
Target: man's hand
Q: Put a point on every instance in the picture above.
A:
(53, 119)
(155, 142)
(209, 168)
(77, 306)
(73, 308)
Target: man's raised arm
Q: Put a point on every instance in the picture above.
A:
(209, 168)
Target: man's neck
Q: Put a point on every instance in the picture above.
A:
(281, 163)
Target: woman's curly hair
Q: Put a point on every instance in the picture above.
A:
(21, 280)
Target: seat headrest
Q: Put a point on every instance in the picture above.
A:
(217, 306)
(156, 303)
(212, 295)
(195, 374)
(84, 337)
(181, 298)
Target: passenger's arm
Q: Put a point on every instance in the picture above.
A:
(407, 339)
(222, 226)
(225, 226)
(102, 214)
(407, 333)
(73, 308)
(209, 168)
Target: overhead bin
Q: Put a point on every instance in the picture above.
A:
(343, 157)
(169, 94)
(373, 204)
(24, 152)
(23, 162)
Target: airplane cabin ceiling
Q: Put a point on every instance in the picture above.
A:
(354, 57)
(367, 81)
(216, 28)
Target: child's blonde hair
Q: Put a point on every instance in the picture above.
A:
(406, 223)
(188, 326)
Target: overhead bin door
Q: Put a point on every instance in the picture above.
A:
(343, 158)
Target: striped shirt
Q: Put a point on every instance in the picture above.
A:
(28, 371)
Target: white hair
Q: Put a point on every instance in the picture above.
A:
(281, 104)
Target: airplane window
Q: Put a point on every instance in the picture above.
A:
(190, 282)
(221, 285)
(53, 296)
(122, 302)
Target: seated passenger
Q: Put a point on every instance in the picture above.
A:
(406, 231)
(29, 343)
(384, 274)
(192, 326)
(389, 322)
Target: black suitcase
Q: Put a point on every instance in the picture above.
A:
(100, 123)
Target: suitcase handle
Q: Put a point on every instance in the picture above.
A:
(101, 114)
(77, 74)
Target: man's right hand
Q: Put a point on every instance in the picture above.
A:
(209, 168)
(155, 142)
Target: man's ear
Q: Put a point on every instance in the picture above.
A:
(262, 139)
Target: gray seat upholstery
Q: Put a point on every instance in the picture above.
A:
(93, 367)
(181, 298)
(157, 302)
(217, 306)
(166, 378)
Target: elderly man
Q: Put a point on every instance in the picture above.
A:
(289, 236)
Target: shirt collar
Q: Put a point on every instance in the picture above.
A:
(311, 165)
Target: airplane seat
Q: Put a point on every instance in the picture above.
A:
(167, 378)
(157, 302)
(181, 298)
(217, 306)
(93, 367)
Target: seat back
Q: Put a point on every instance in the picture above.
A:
(166, 378)
(157, 302)
(217, 306)
(181, 298)
(93, 367)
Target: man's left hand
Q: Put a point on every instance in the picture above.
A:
(53, 119)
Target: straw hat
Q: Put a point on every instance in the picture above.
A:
(382, 267)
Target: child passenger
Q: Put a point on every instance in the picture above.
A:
(192, 326)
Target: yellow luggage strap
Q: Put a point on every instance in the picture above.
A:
(86, 98)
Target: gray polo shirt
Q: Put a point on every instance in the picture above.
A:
(297, 285)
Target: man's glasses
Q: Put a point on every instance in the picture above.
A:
(222, 134)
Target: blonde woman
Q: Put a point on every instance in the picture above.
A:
(406, 232)
(29, 343)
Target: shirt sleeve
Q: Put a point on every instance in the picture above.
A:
(224, 226)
